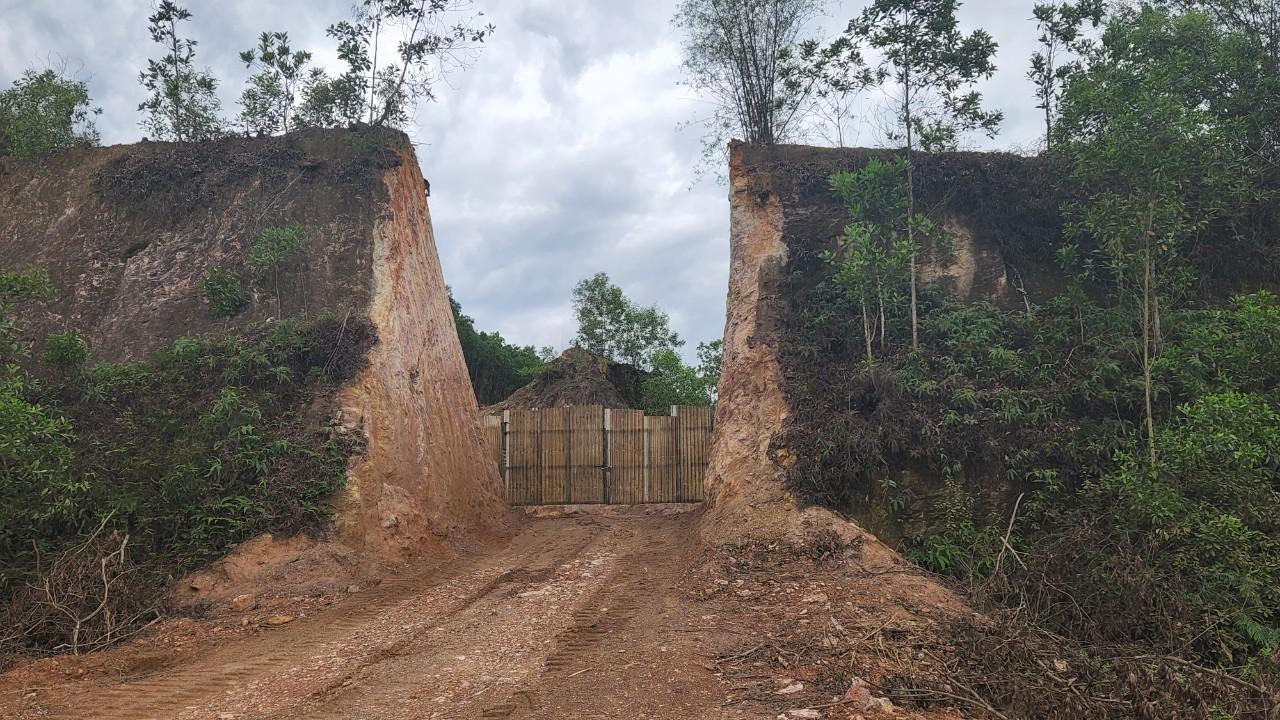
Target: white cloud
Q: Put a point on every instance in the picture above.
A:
(555, 157)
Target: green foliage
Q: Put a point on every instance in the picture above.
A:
(1183, 557)
(671, 382)
(1060, 25)
(275, 246)
(612, 326)
(39, 496)
(268, 100)
(17, 287)
(496, 367)
(190, 451)
(44, 113)
(329, 102)
(434, 39)
(743, 58)
(872, 260)
(933, 63)
(183, 102)
(225, 292)
(66, 351)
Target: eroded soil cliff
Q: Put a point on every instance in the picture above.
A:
(129, 234)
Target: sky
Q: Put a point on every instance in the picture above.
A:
(561, 153)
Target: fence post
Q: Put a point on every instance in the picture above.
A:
(608, 461)
(504, 441)
(644, 433)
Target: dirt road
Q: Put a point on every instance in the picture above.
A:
(579, 617)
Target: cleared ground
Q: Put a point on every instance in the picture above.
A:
(612, 612)
(584, 616)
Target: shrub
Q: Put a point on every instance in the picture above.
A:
(224, 290)
(66, 351)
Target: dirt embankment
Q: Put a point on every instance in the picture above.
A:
(129, 233)
(578, 377)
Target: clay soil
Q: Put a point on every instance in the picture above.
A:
(587, 613)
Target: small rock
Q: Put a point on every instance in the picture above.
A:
(279, 619)
(816, 598)
(228, 716)
(802, 714)
(860, 697)
(791, 689)
(244, 603)
(354, 589)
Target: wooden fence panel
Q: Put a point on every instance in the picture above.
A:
(626, 456)
(493, 438)
(694, 449)
(581, 455)
(586, 454)
(555, 455)
(662, 459)
(524, 478)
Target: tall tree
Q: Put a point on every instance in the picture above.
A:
(267, 102)
(871, 260)
(331, 101)
(612, 326)
(430, 42)
(184, 103)
(736, 56)
(933, 66)
(1256, 23)
(1151, 156)
(834, 76)
(45, 112)
(1059, 24)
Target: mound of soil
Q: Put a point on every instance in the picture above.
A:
(577, 377)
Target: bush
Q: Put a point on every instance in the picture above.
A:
(66, 351)
(187, 453)
(43, 113)
(1002, 414)
(224, 290)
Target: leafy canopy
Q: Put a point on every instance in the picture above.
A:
(612, 326)
(44, 113)
(183, 102)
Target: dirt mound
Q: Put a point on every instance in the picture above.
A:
(577, 377)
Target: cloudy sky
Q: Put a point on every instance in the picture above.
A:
(558, 155)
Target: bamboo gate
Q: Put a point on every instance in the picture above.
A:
(593, 454)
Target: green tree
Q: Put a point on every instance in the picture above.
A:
(183, 103)
(329, 102)
(1154, 160)
(271, 250)
(871, 260)
(45, 112)
(497, 368)
(710, 360)
(433, 39)
(737, 55)
(1059, 24)
(932, 65)
(612, 326)
(268, 101)
(671, 382)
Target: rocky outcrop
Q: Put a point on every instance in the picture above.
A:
(127, 234)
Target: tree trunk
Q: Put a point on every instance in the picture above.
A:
(1146, 337)
(867, 332)
(911, 202)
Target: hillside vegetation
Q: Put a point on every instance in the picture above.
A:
(1102, 458)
